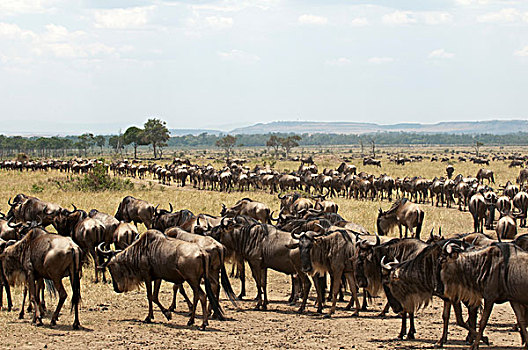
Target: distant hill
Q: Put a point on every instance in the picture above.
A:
(194, 132)
(496, 127)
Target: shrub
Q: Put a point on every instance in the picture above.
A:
(95, 181)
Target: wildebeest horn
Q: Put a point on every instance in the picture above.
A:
(9, 202)
(378, 240)
(380, 211)
(295, 235)
(2, 215)
(385, 266)
(170, 206)
(103, 252)
(222, 222)
(156, 210)
(280, 197)
(272, 218)
(198, 220)
(13, 225)
(431, 236)
(137, 237)
(321, 231)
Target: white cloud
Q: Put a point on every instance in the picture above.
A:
(504, 15)
(13, 7)
(12, 31)
(312, 19)
(472, 2)
(219, 23)
(523, 52)
(56, 33)
(359, 22)
(239, 56)
(234, 5)
(433, 18)
(399, 17)
(380, 60)
(122, 18)
(341, 61)
(441, 53)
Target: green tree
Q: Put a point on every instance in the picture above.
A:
(275, 143)
(84, 142)
(100, 141)
(116, 142)
(478, 144)
(136, 137)
(290, 142)
(227, 143)
(156, 133)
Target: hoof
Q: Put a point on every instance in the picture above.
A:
(147, 320)
(53, 322)
(327, 316)
(21, 316)
(76, 326)
(168, 315)
(485, 340)
(439, 344)
(190, 322)
(410, 337)
(203, 327)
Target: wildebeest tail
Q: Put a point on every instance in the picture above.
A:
(226, 284)
(209, 290)
(50, 287)
(75, 277)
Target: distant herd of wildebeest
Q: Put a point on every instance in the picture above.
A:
(307, 239)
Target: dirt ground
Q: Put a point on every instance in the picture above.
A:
(114, 321)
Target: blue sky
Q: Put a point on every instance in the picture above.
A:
(100, 65)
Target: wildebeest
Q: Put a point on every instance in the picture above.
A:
(293, 203)
(520, 202)
(263, 247)
(523, 176)
(40, 255)
(85, 231)
(450, 170)
(485, 174)
(478, 208)
(403, 212)
(26, 209)
(411, 284)
(135, 210)
(155, 257)
(248, 207)
(331, 253)
(109, 223)
(506, 228)
(163, 219)
(496, 274)
(124, 235)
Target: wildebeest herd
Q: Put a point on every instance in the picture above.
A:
(307, 240)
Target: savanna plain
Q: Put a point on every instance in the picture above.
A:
(115, 321)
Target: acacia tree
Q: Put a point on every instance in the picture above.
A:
(116, 142)
(100, 141)
(274, 142)
(156, 133)
(478, 144)
(136, 137)
(84, 142)
(227, 143)
(289, 142)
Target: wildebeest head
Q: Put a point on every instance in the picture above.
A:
(305, 245)
(382, 223)
(364, 262)
(121, 276)
(390, 272)
(10, 262)
(66, 220)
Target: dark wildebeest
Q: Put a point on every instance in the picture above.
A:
(124, 235)
(248, 207)
(523, 176)
(155, 257)
(109, 223)
(496, 274)
(520, 202)
(135, 210)
(85, 231)
(4, 285)
(163, 219)
(263, 247)
(217, 272)
(293, 203)
(450, 170)
(8, 231)
(330, 253)
(504, 205)
(403, 212)
(478, 209)
(25, 208)
(410, 285)
(38, 256)
(485, 174)
(506, 228)
(369, 255)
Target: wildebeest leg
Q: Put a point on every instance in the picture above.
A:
(62, 297)
(342, 289)
(412, 330)
(242, 272)
(294, 285)
(34, 299)
(256, 271)
(385, 310)
(520, 314)
(336, 278)
(486, 312)
(471, 323)
(40, 286)
(401, 232)
(148, 287)
(306, 285)
(317, 280)
(264, 275)
(365, 302)
(403, 325)
(445, 319)
(215, 286)
(93, 253)
(353, 290)
(155, 299)
(21, 314)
